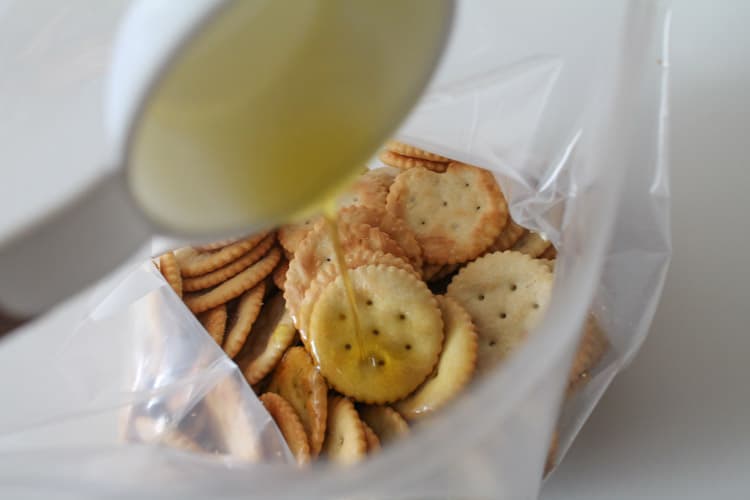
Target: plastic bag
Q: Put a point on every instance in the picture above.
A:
(566, 104)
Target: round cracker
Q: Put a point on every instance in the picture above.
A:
(289, 424)
(317, 250)
(590, 351)
(369, 190)
(194, 263)
(232, 269)
(298, 381)
(533, 244)
(407, 162)
(392, 226)
(170, 269)
(455, 216)
(235, 286)
(271, 335)
(215, 322)
(387, 423)
(354, 258)
(373, 442)
(505, 293)
(345, 441)
(248, 308)
(414, 152)
(454, 369)
(291, 235)
(401, 334)
(508, 237)
(279, 274)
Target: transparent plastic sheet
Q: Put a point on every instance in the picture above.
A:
(566, 104)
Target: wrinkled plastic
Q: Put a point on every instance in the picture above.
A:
(567, 105)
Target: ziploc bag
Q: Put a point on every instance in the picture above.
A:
(566, 104)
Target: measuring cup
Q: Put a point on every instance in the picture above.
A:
(226, 117)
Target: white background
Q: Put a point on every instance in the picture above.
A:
(676, 423)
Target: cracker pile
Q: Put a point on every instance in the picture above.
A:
(446, 285)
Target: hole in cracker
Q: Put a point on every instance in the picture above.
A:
(408, 347)
(423, 222)
(401, 316)
(348, 347)
(369, 302)
(328, 259)
(376, 332)
(478, 208)
(535, 305)
(503, 315)
(342, 316)
(341, 441)
(513, 287)
(466, 184)
(492, 343)
(480, 296)
(381, 362)
(445, 203)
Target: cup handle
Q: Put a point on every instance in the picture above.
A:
(71, 248)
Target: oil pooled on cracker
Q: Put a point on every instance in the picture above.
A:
(331, 223)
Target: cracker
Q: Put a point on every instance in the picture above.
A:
(357, 257)
(170, 269)
(392, 226)
(215, 322)
(401, 334)
(271, 335)
(373, 442)
(289, 424)
(317, 250)
(298, 381)
(231, 421)
(508, 237)
(454, 369)
(194, 263)
(552, 452)
(414, 152)
(368, 190)
(455, 216)
(235, 286)
(279, 274)
(291, 235)
(505, 293)
(217, 245)
(387, 423)
(243, 318)
(407, 162)
(591, 349)
(533, 244)
(429, 271)
(550, 253)
(345, 441)
(232, 269)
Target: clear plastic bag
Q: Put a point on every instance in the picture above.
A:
(567, 105)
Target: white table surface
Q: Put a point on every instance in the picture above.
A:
(676, 424)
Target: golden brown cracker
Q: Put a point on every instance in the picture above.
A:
(591, 349)
(454, 369)
(291, 235)
(345, 441)
(271, 335)
(533, 244)
(279, 274)
(387, 423)
(455, 216)
(230, 421)
(368, 190)
(235, 286)
(414, 152)
(215, 322)
(373, 442)
(194, 263)
(289, 424)
(508, 237)
(170, 269)
(232, 269)
(505, 293)
(298, 381)
(550, 253)
(401, 331)
(407, 162)
(248, 308)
